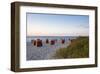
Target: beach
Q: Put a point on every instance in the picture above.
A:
(46, 51)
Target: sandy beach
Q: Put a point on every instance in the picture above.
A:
(45, 52)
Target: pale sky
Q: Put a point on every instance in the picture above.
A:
(57, 25)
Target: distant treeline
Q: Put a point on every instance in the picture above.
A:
(78, 48)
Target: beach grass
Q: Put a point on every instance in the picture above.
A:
(78, 48)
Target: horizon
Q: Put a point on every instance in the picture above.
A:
(56, 36)
(39, 24)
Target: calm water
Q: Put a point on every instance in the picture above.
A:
(43, 38)
(47, 51)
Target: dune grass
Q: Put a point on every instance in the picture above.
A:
(79, 48)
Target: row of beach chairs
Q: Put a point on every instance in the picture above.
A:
(39, 42)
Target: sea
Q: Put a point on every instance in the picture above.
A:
(43, 38)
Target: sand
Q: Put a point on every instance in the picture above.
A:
(45, 52)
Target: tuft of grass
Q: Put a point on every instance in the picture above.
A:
(79, 48)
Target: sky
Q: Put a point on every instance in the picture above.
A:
(39, 24)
